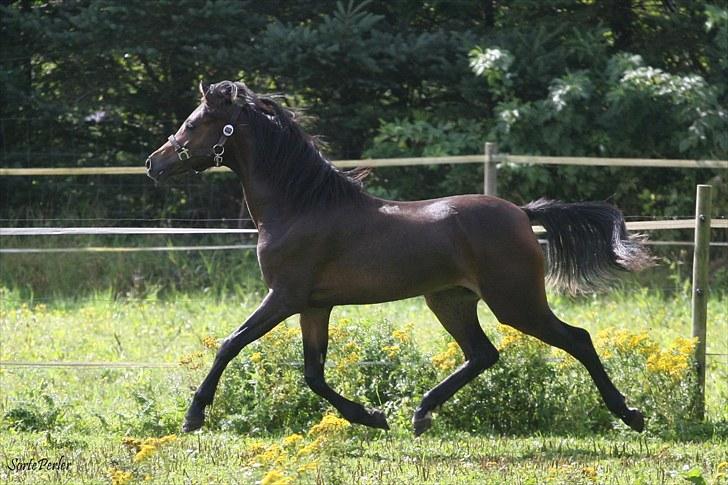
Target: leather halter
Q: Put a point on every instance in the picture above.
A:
(217, 150)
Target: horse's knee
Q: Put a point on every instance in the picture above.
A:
(582, 336)
(485, 360)
(316, 383)
(227, 351)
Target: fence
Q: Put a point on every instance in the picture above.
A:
(701, 224)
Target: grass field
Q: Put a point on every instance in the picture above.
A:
(92, 416)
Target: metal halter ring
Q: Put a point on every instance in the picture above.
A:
(218, 150)
(228, 130)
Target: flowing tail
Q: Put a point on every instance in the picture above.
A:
(588, 244)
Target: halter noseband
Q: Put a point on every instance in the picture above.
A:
(183, 153)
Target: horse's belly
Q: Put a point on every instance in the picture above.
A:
(384, 278)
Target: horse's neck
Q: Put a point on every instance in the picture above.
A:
(262, 200)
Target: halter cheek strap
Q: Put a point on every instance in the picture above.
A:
(218, 149)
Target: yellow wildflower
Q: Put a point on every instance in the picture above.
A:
(119, 477)
(590, 472)
(210, 342)
(339, 332)
(167, 439)
(722, 470)
(312, 447)
(275, 477)
(146, 448)
(391, 350)
(625, 342)
(329, 425)
(674, 361)
(292, 440)
(685, 346)
(350, 357)
(255, 448)
(511, 336)
(447, 359)
(401, 335)
(191, 361)
(256, 357)
(145, 452)
(132, 442)
(273, 454)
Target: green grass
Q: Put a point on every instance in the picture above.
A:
(83, 413)
(385, 458)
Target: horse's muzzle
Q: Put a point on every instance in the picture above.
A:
(152, 172)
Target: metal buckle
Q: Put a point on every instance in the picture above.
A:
(184, 153)
(228, 130)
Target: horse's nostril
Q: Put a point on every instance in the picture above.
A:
(148, 164)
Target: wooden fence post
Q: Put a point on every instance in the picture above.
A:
(490, 173)
(701, 259)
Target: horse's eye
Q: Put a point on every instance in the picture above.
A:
(189, 125)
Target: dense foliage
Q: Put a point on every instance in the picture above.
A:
(101, 82)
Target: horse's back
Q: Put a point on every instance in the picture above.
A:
(401, 249)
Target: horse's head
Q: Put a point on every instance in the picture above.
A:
(200, 142)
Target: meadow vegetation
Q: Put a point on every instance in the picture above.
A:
(534, 418)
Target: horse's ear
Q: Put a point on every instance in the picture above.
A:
(204, 89)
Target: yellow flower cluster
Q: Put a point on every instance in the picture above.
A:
(511, 336)
(349, 356)
(624, 341)
(292, 459)
(329, 425)
(210, 342)
(312, 447)
(275, 477)
(191, 361)
(256, 357)
(447, 359)
(722, 470)
(292, 440)
(119, 477)
(273, 455)
(391, 350)
(675, 361)
(590, 473)
(148, 446)
(403, 335)
(339, 333)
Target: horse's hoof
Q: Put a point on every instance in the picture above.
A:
(377, 419)
(422, 424)
(635, 420)
(193, 421)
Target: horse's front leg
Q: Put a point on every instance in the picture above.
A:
(315, 331)
(273, 310)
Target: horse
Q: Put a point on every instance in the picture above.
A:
(324, 241)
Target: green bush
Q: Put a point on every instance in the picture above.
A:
(533, 388)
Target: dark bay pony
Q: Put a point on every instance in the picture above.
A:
(323, 241)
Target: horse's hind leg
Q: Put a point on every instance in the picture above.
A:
(457, 311)
(315, 331)
(577, 342)
(516, 295)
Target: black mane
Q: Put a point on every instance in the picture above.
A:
(291, 160)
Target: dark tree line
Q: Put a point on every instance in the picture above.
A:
(102, 82)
